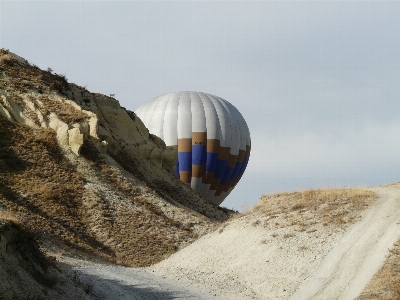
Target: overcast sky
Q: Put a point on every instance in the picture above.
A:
(317, 82)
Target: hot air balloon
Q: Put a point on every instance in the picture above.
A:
(212, 137)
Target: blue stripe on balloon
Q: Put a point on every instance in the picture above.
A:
(242, 168)
(185, 161)
(199, 154)
(177, 168)
(236, 170)
(244, 165)
(226, 176)
(211, 162)
(220, 168)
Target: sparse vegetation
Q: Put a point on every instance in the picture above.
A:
(169, 191)
(153, 234)
(26, 272)
(288, 235)
(40, 185)
(386, 283)
(67, 113)
(45, 193)
(23, 77)
(31, 257)
(325, 206)
(302, 248)
(10, 216)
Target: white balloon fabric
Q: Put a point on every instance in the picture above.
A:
(212, 137)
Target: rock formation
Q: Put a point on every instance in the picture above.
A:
(86, 173)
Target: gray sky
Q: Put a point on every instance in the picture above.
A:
(317, 82)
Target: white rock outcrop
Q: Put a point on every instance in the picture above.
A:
(75, 140)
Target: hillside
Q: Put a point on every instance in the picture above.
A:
(317, 244)
(86, 192)
(84, 175)
(26, 273)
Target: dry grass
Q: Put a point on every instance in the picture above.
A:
(288, 235)
(324, 206)
(303, 248)
(10, 216)
(66, 112)
(47, 193)
(151, 233)
(30, 255)
(26, 272)
(40, 186)
(5, 57)
(20, 78)
(386, 282)
(309, 210)
(174, 192)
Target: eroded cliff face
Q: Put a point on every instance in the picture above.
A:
(41, 99)
(85, 174)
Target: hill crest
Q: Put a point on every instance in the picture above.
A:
(85, 174)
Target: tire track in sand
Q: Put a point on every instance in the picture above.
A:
(352, 263)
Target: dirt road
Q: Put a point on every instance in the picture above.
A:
(351, 264)
(321, 263)
(247, 261)
(106, 281)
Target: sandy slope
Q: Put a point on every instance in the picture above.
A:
(350, 265)
(247, 261)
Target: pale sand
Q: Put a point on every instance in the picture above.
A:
(248, 261)
(108, 281)
(252, 262)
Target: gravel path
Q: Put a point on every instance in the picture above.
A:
(108, 281)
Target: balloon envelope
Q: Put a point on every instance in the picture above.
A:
(212, 137)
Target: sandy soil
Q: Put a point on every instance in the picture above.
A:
(107, 281)
(351, 264)
(244, 261)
